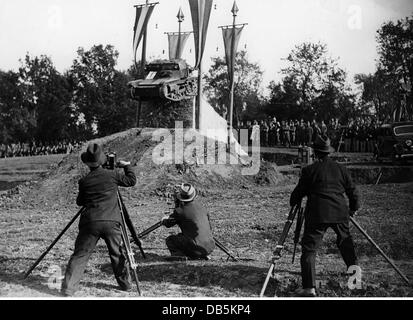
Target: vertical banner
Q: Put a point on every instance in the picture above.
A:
(231, 37)
(143, 14)
(200, 12)
(177, 44)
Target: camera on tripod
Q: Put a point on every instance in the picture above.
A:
(110, 163)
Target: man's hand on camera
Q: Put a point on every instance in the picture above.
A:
(123, 164)
(164, 220)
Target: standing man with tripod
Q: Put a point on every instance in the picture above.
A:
(98, 194)
(324, 183)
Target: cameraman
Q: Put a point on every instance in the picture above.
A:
(324, 183)
(196, 241)
(101, 219)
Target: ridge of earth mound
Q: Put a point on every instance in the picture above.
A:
(58, 188)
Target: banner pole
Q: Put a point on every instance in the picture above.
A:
(143, 63)
(199, 103)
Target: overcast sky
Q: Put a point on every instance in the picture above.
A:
(58, 27)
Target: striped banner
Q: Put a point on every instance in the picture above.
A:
(200, 12)
(177, 44)
(231, 34)
(143, 14)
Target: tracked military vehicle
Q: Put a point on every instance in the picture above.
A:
(165, 79)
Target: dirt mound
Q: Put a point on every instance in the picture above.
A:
(154, 160)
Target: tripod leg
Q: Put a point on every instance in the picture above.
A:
(129, 224)
(126, 242)
(130, 257)
(53, 243)
(225, 250)
(280, 245)
(267, 279)
(379, 250)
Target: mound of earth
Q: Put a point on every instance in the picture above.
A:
(153, 158)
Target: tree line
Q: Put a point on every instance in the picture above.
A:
(88, 100)
(91, 98)
(315, 86)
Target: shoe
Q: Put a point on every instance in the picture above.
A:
(67, 293)
(176, 258)
(126, 288)
(307, 292)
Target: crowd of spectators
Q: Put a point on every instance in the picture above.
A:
(357, 135)
(33, 148)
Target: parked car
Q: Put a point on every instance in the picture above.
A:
(395, 141)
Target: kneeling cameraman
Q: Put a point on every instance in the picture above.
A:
(196, 241)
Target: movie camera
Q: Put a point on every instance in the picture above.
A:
(110, 163)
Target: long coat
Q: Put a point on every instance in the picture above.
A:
(98, 194)
(255, 135)
(193, 220)
(324, 183)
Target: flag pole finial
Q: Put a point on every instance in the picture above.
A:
(235, 9)
(180, 15)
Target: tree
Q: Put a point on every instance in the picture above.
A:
(378, 93)
(313, 85)
(395, 48)
(101, 95)
(383, 90)
(46, 96)
(248, 81)
(13, 116)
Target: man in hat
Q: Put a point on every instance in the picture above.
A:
(100, 219)
(324, 183)
(196, 241)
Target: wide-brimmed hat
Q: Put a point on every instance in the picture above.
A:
(187, 194)
(322, 144)
(94, 156)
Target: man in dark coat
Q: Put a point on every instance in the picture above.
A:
(324, 183)
(98, 194)
(196, 240)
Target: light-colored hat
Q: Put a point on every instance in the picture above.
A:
(187, 194)
(94, 156)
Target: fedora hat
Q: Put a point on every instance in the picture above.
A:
(94, 156)
(322, 144)
(187, 194)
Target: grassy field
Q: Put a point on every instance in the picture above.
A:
(248, 215)
(248, 223)
(16, 170)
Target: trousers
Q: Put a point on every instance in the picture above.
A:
(89, 235)
(313, 237)
(179, 245)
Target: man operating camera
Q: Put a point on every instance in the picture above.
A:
(100, 219)
(196, 241)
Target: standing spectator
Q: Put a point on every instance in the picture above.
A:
(309, 132)
(323, 128)
(316, 130)
(272, 134)
(293, 130)
(264, 133)
(255, 134)
(278, 133)
(286, 134)
(301, 133)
